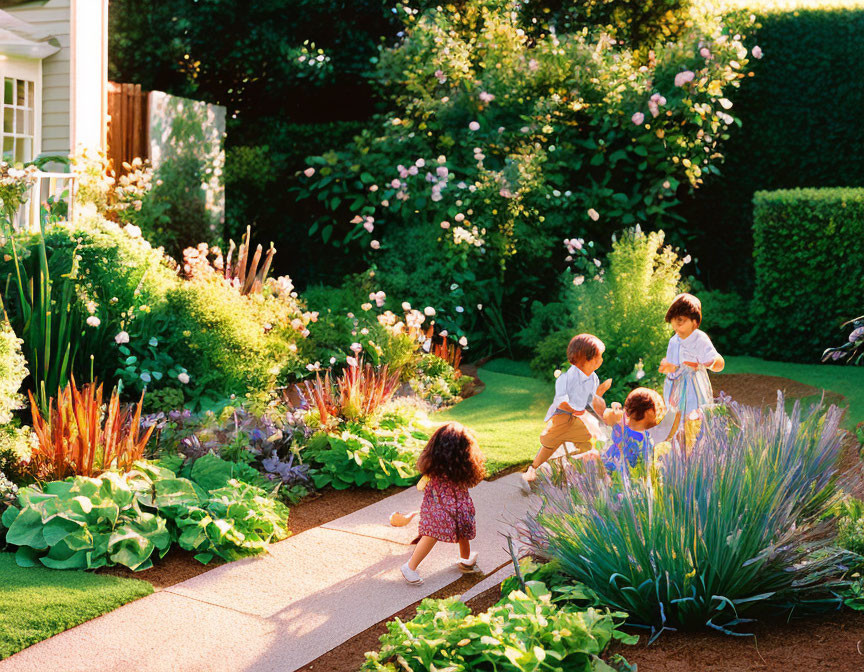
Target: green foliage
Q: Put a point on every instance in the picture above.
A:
(218, 333)
(16, 444)
(524, 631)
(361, 456)
(126, 519)
(437, 381)
(802, 41)
(850, 525)
(37, 602)
(550, 118)
(13, 371)
(624, 305)
(103, 279)
(725, 317)
(809, 263)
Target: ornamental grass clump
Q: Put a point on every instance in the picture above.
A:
(738, 529)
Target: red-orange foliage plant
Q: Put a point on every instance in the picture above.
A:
(73, 440)
(355, 394)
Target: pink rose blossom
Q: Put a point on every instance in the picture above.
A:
(637, 118)
(375, 245)
(757, 52)
(445, 225)
(705, 52)
(474, 126)
(684, 77)
(309, 172)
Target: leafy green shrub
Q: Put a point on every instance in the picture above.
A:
(850, 525)
(361, 456)
(437, 381)
(524, 631)
(222, 337)
(736, 529)
(502, 129)
(726, 319)
(624, 305)
(86, 523)
(809, 262)
(803, 40)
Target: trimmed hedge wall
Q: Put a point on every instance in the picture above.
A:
(809, 263)
(801, 127)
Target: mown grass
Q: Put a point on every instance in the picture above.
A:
(507, 415)
(37, 602)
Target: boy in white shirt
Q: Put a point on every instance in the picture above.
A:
(689, 357)
(567, 419)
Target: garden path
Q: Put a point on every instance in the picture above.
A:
(312, 592)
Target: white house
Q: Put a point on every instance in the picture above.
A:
(54, 69)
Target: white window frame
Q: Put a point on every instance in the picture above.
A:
(26, 70)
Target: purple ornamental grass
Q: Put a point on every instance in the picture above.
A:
(734, 531)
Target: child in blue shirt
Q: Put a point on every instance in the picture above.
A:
(634, 437)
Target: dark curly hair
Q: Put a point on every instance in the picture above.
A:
(453, 453)
(640, 401)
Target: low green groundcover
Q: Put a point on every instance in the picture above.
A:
(36, 602)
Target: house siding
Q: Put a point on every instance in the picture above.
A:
(53, 17)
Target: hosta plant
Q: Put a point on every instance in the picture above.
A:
(78, 438)
(124, 519)
(524, 631)
(361, 456)
(738, 529)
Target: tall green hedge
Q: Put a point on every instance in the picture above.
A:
(809, 266)
(801, 127)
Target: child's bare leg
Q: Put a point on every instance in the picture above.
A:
(542, 456)
(464, 548)
(421, 551)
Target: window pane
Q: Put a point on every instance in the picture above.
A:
(19, 121)
(23, 150)
(30, 88)
(8, 88)
(29, 115)
(8, 120)
(8, 148)
(19, 100)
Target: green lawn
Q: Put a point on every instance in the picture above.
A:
(845, 380)
(507, 416)
(37, 602)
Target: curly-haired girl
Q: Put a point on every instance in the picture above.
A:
(452, 461)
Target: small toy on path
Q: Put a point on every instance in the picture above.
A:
(399, 519)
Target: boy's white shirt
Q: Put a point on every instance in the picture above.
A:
(575, 388)
(697, 347)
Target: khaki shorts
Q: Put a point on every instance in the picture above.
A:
(563, 428)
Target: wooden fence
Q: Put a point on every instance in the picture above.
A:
(128, 125)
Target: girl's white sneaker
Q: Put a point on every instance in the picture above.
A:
(411, 575)
(468, 564)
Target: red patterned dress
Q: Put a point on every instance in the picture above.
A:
(447, 511)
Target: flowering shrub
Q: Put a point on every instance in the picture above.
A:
(15, 183)
(501, 130)
(623, 304)
(740, 528)
(13, 371)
